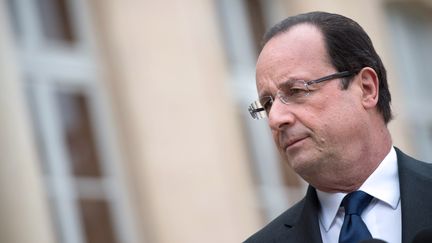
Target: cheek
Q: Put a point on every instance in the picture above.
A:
(316, 117)
(325, 120)
(275, 135)
(340, 125)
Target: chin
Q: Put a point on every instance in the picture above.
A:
(303, 165)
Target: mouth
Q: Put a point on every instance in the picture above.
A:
(293, 142)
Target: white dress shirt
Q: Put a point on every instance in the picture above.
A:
(382, 216)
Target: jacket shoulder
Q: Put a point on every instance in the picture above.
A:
(420, 168)
(272, 231)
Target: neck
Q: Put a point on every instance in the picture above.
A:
(350, 173)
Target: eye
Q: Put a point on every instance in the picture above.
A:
(298, 87)
(297, 92)
(266, 103)
(295, 89)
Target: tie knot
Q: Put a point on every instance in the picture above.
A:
(356, 202)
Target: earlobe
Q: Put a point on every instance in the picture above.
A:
(370, 87)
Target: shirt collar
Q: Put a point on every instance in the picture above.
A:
(382, 184)
(330, 203)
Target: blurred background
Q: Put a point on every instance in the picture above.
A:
(126, 121)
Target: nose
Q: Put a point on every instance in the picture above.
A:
(280, 115)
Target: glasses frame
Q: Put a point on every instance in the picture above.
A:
(256, 108)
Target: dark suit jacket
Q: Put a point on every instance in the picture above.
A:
(300, 223)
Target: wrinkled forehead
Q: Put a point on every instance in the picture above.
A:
(292, 54)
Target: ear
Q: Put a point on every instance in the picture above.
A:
(369, 84)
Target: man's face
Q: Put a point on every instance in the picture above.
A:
(321, 134)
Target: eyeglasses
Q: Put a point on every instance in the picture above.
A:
(290, 92)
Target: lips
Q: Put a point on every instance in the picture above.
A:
(292, 141)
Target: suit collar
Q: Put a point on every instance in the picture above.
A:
(415, 180)
(304, 227)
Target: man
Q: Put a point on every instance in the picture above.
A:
(324, 91)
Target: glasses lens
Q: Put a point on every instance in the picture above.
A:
(292, 92)
(257, 111)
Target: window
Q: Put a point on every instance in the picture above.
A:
(56, 21)
(256, 20)
(411, 29)
(70, 121)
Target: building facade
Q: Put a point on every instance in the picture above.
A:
(126, 121)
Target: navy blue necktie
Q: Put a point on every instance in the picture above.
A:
(353, 228)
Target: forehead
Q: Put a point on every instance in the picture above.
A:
(299, 53)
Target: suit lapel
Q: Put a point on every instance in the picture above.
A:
(415, 179)
(305, 227)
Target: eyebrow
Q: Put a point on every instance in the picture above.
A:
(286, 82)
(265, 95)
